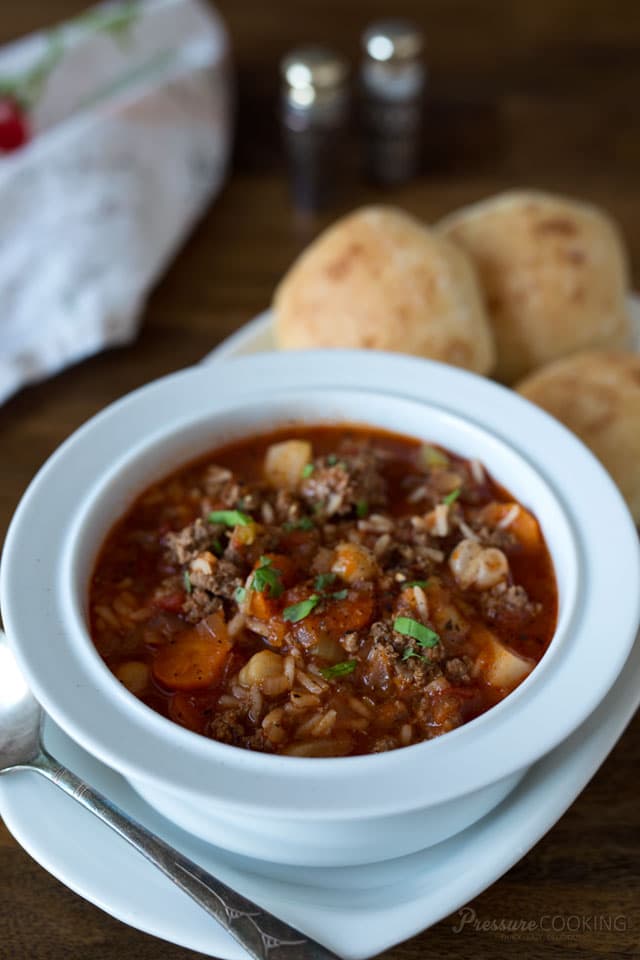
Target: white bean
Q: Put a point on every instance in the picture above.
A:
(476, 566)
(263, 664)
(284, 463)
(354, 562)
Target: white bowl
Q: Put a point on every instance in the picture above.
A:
(308, 811)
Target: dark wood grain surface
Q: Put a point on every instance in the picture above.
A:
(538, 93)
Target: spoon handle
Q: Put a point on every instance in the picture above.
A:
(264, 936)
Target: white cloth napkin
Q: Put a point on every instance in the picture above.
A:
(130, 137)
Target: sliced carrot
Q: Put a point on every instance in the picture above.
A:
(260, 603)
(514, 518)
(196, 659)
(261, 606)
(337, 617)
(183, 710)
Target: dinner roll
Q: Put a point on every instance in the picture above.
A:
(597, 395)
(379, 279)
(554, 274)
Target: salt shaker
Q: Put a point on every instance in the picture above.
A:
(314, 116)
(392, 88)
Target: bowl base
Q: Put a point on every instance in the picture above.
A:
(331, 842)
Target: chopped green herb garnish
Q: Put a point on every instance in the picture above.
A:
(298, 611)
(414, 583)
(407, 653)
(267, 578)
(452, 497)
(187, 581)
(339, 595)
(323, 580)
(362, 508)
(334, 461)
(339, 669)
(240, 595)
(424, 636)
(304, 523)
(307, 470)
(230, 518)
(218, 549)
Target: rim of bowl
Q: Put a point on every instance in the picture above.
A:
(95, 709)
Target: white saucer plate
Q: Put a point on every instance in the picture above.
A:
(357, 911)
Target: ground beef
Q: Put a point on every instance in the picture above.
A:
(259, 742)
(421, 493)
(438, 710)
(250, 498)
(224, 489)
(382, 744)
(410, 550)
(350, 642)
(223, 582)
(227, 728)
(184, 546)
(381, 632)
(458, 669)
(235, 727)
(287, 507)
(339, 486)
(417, 671)
(220, 484)
(199, 604)
(511, 602)
(215, 479)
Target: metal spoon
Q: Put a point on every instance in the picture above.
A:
(264, 936)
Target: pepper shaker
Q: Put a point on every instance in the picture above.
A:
(392, 87)
(314, 116)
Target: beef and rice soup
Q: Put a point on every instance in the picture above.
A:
(324, 591)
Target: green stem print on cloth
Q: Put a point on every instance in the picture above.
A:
(19, 92)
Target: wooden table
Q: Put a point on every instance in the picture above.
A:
(543, 94)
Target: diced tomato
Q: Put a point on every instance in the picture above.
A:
(285, 567)
(465, 693)
(261, 606)
(302, 542)
(352, 613)
(170, 602)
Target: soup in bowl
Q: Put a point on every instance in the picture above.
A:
(173, 624)
(324, 591)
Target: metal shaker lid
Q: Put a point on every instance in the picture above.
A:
(313, 72)
(393, 40)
